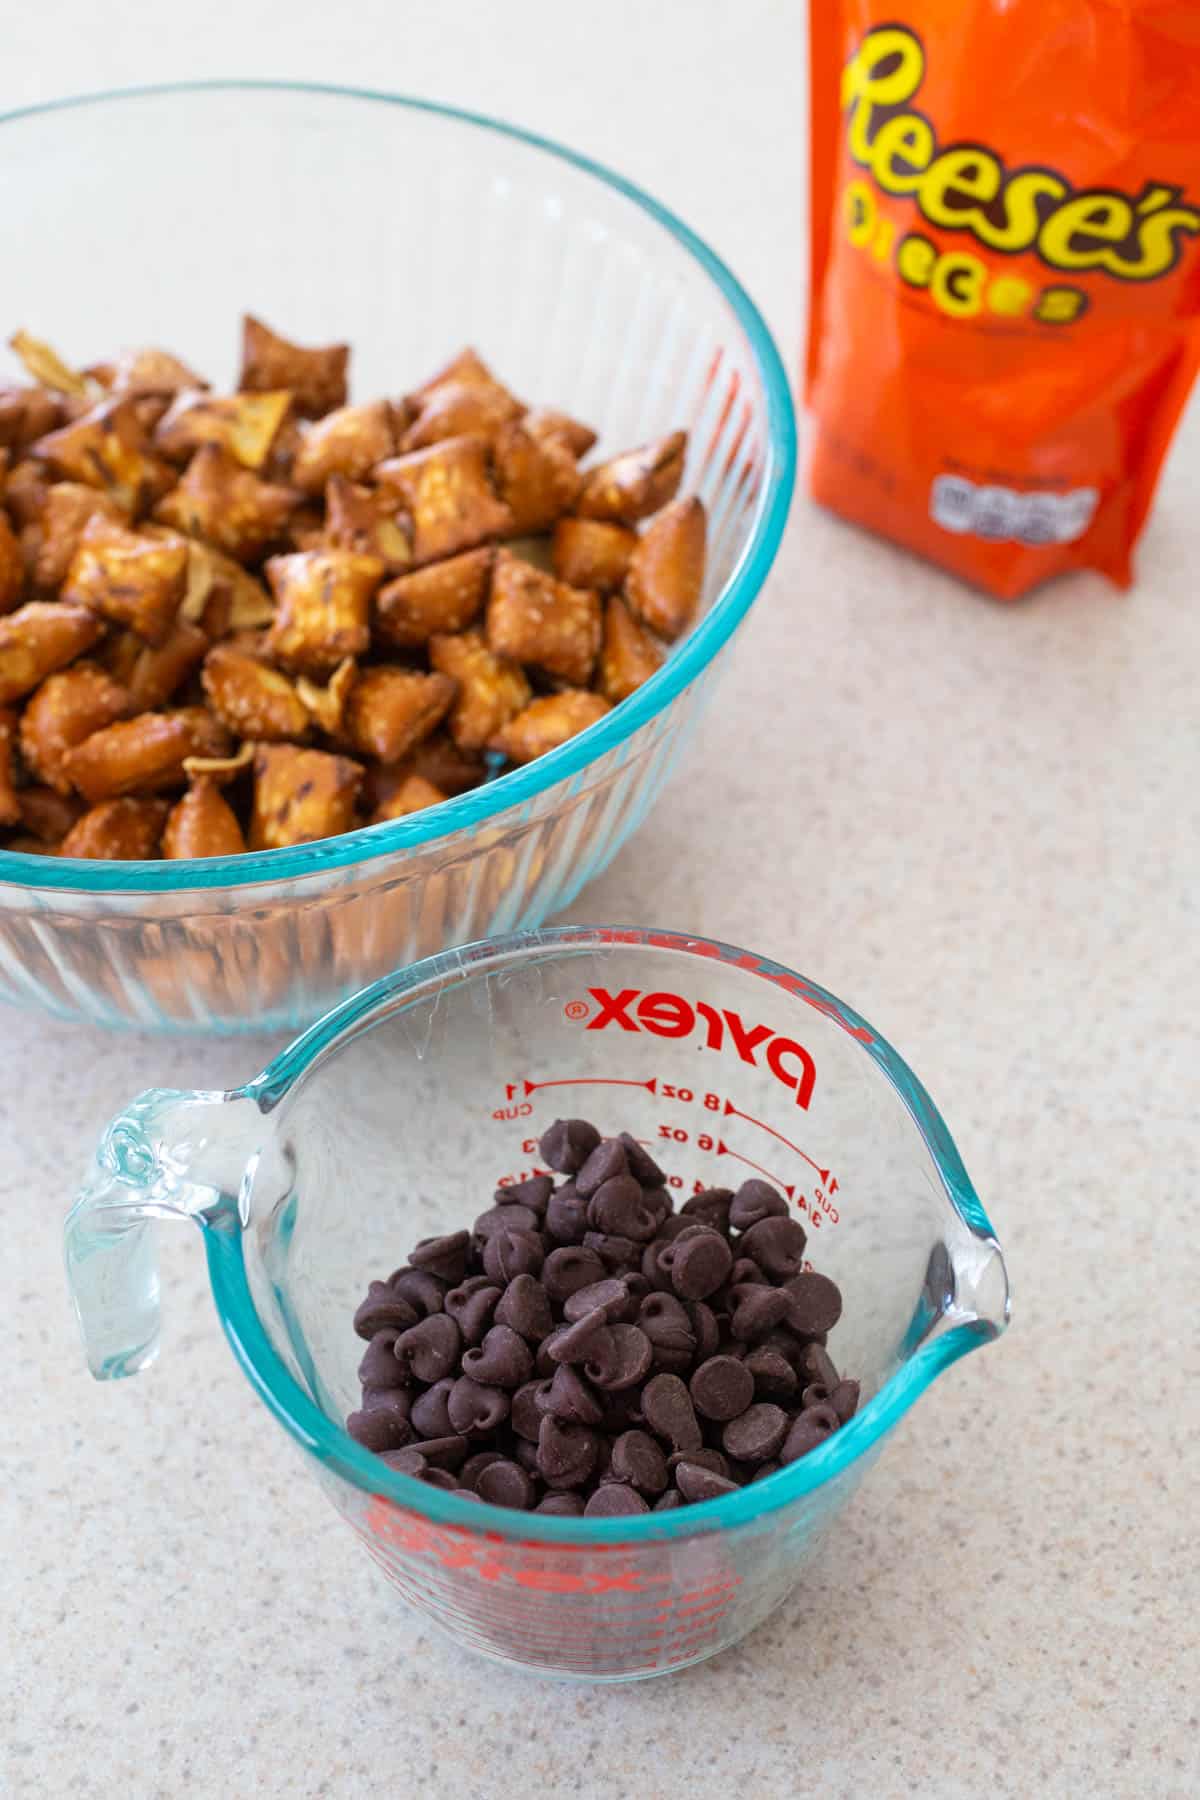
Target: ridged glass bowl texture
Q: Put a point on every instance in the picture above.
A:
(409, 230)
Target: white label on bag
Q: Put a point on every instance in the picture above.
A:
(1005, 515)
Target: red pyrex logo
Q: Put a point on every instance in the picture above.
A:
(671, 1016)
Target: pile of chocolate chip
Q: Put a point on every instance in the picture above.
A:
(584, 1350)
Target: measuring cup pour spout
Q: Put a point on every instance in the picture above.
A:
(169, 1156)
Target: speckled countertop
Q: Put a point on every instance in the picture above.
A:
(981, 827)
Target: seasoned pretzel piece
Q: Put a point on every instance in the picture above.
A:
(68, 507)
(439, 761)
(47, 367)
(251, 698)
(548, 722)
(348, 442)
(447, 493)
(161, 669)
(591, 553)
(202, 823)
(117, 831)
(301, 795)
(128, 576)
(47, 814)
(322, 608)
(491, 689)
(149, 371)
(629, 655)
(412, 795)
(464, 397)
(537, 478)
(228, 506)
(532, 618)
(68, 707)
(107, 447)
(26, 490)
(316, 378)
(145, 754)
(246, 425)
(37, 639)
(548, 423)
(390, 710)
(446, 596)
(632, 486)
(368, 520)
(666, 571)
(12, 566)
(27, 413)
(10, 806)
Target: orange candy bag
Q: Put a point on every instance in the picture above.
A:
(1005, 314)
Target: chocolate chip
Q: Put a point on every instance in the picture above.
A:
(619, 1357)
(669, 1501)
(526, 1454)
(525, 1414)
(430, 1411)
(745, 1271)
(618, 1209)
(568, 1397)
(534, 1193)
(816, 1394)
(695, 1483)
(423, 1291)
(475, 1409)
(613, 1500)
(722, 1388)
(505, 1483)
(844, 1400)
(815, 1364)
(567, 1144)
(575, 1343)
(755, 1434)
(704, 1325)
(569, 1269)
(653, 1272)
(471, 1305)
(566, 1215)
(642, 1165)
(665, 1321)
(439, 1478)
(508, 1254)
(636, 1458)
(816, 1303)
(443, 1452)
(757, 1312)
(379, 1368)
(525, 1306)
(406, 1462)
(560, 1506)
(445, 1257)
(776, 1245)
(566, 1454)
(774, 1376)
(503, 1359)
(612, 1296)
(811, 1428)
(383, 1307)
(668, 1410)
(507, 1217)
(544, 1364)
(703, 1459)
(430, 1348)
(765, 1469)
(755, 1201)
(709, 1207)
(618, 1254)
(607, 1160)
(379, 1428)
(474, 1466)
(699, 1264)
(467, 1494)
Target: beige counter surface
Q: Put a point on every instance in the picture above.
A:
(978, 824)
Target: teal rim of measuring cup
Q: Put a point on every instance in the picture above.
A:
(470, 810)
(338, 1452)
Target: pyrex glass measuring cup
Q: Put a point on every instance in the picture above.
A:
(396, 1116)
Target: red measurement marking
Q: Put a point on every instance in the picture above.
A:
(737, 1113)
(650, 1086)
(789, 1187)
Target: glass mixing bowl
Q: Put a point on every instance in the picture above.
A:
(397, 1117)
(408, 230)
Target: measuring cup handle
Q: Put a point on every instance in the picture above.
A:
(170, 1155)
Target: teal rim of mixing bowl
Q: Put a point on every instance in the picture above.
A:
(473, 809)
(338, 1452)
